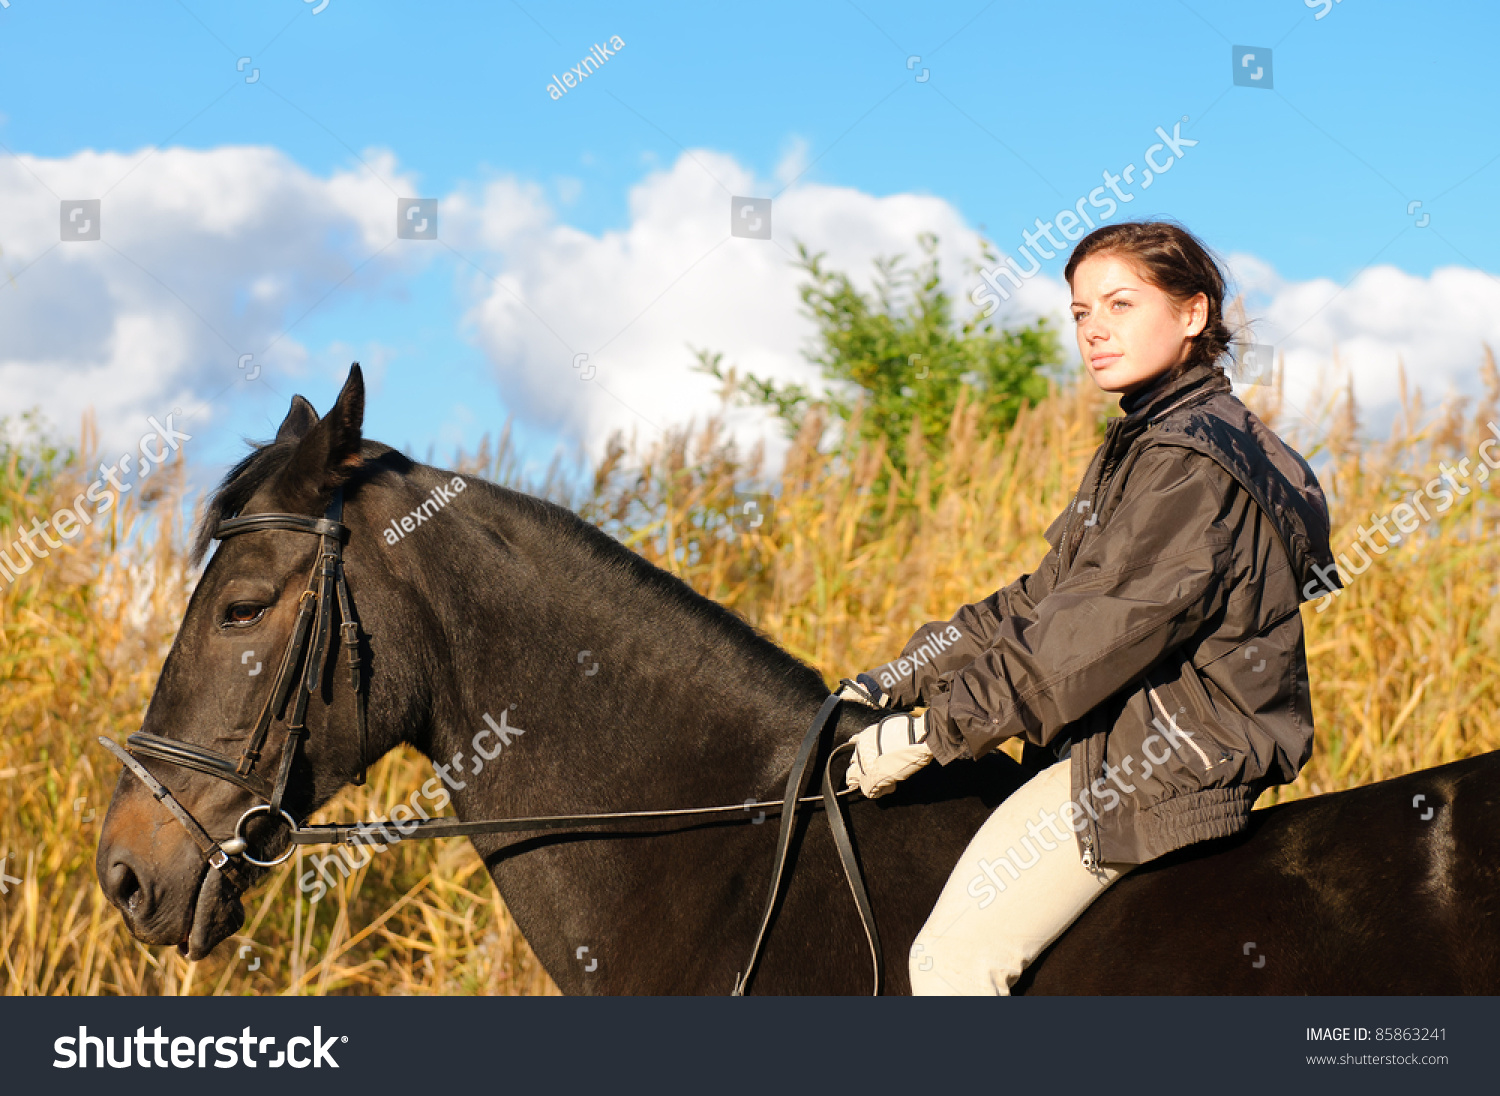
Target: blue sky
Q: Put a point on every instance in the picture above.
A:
(1024, 106)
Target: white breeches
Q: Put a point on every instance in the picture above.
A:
(1017, 886)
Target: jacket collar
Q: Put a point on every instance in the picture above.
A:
(1146, 405)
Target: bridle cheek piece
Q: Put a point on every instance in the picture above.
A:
(306, 652)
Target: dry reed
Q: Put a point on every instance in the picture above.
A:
(1403, 663)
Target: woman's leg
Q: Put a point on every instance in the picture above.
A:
(1017, 886)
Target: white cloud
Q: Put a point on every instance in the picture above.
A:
(1434, 326)
(207, 255)
(204, 256)
(636, 299)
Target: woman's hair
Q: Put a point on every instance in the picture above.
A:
(1172, 259)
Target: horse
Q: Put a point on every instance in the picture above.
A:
(623, 689)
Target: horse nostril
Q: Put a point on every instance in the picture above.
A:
(124, 886)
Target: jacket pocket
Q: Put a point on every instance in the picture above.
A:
(1211, 748)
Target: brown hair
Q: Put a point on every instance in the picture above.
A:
(1172, 259)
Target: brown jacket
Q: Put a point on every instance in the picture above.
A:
(1160, 642)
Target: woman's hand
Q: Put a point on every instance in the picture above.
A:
(864, 689)
(887, 752)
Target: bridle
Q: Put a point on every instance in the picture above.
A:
(306, 651)
(308, 648)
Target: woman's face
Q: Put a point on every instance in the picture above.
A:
(1129, 331)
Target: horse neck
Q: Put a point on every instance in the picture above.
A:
(628, 689)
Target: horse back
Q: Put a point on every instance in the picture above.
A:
(1391, 888)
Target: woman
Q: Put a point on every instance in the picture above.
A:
(1153, 663)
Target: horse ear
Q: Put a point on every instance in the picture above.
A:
(328, 453)
(300, 418)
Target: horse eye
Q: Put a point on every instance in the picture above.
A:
(244, 612)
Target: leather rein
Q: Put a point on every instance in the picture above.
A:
(307, 651)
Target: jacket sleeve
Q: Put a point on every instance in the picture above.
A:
(938, 649)
(1140, 586)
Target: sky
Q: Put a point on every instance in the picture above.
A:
(249, 161)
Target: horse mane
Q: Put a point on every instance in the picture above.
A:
(557, 525)
(554, 524)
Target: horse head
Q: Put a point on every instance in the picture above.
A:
(217, 685)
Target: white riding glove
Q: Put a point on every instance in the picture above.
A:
(864, 689)
(887, 752)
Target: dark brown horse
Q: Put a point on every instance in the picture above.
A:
(631, 692)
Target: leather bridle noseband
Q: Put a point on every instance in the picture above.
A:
(314, 627)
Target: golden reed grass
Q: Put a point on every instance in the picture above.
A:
(1403, 664)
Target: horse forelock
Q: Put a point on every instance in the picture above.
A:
(263, 464)
(237, 487)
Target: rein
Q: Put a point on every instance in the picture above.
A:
(314, 626)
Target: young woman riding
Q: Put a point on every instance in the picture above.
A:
(1153, 663)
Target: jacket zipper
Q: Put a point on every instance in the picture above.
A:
(1067, 542)
(1106, 451)
(1090, 837)
(1090, 857)
(1188, 738)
